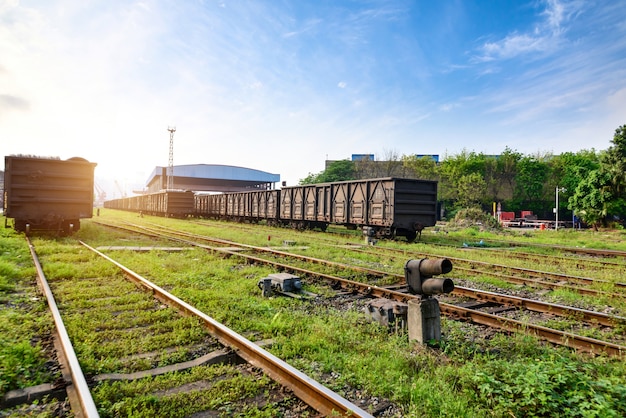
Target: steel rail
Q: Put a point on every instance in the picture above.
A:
(530, 272)
(570, 340)
(87, 404)
(540, 283)
(310, 391)
(590, 345)
(542, 257)
(576, 250)
(543, 307)
(530, 304)
(518, 280)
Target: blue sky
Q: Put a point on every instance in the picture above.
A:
(281, 86)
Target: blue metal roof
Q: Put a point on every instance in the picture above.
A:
(212, 177)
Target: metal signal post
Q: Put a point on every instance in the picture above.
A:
(170, 165)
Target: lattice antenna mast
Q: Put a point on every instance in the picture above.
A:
(170, 164)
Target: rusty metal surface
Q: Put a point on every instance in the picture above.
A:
(48, 193)
(529, 281)
(544, 307)
(170, 203)
(392, 206)
(87, 407)
(389, 204)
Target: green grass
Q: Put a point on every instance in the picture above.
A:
(472, 372)
(230, 388)
(24, 321)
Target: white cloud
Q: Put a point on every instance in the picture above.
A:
(544, 36)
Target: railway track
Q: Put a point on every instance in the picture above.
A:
(474, 315)
(574, 250)
(518, 275)
(587, 263)
(534, 278)
(588, 316)
(142, 335)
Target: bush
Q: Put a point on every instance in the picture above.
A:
(474, 217)
(551, 387)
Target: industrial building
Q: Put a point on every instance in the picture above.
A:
(211, 178)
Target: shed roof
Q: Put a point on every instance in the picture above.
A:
(212, 177)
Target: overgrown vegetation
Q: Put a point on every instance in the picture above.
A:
(24, 321)
(471, 372)
(474, 218)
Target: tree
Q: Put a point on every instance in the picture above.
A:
(530, 192)
(614, 162)
(471, 191)
(503, 183)
(391, 163)
(424, 168)
(336, 171)
(602, 192)
(591, 199)
(569, 169)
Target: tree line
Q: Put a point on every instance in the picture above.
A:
(591, 184)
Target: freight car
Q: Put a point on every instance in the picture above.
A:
(387, 207)
(168, 203)
(253, 206)
(48, 194)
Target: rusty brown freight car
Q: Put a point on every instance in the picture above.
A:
(386, 207)
(252, 206)
(48, 194)
(391, 207)
(168, 203)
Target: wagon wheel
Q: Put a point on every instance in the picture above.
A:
(411, 235)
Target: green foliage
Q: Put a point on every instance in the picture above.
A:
(336, 171)
(424, 168)
(474, 217)
(552, 386)
(614, 162)
(468, 374)
(471, 190)
(22, 318)
(228, 393)
(530, 183)
(517, 181)
(592, 197)
(20, 363)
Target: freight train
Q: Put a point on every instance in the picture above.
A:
(387, 207)
(47, 194)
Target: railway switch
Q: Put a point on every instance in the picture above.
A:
(418, 274)
(283, 283)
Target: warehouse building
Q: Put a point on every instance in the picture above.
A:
(212, 178)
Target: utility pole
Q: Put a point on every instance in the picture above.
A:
(170, 165)
(556, 209)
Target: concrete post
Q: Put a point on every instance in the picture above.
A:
(424, 320)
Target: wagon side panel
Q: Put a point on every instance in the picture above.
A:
(47, 191)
